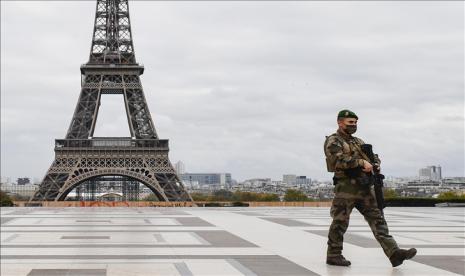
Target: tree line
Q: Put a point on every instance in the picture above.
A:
(225, 195)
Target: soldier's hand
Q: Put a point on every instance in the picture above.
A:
(367, 167)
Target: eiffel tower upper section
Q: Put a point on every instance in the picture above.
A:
(112, 38)
(112, 69)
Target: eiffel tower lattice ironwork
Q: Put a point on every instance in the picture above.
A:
(111, 69)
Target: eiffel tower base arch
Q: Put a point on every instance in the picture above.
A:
(146, 162)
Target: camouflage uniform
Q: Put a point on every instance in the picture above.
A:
(341, 151)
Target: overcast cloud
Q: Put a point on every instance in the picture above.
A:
(249, 88)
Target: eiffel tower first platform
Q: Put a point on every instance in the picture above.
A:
(80, 157)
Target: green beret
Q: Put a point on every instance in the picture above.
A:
(346, 114)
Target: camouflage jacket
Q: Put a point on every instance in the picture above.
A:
(342, 153)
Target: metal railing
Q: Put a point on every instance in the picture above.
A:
(112, 143)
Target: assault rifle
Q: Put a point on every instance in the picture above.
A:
(376, 176)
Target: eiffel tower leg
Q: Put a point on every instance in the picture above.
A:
(50, 187)
(173, 187)
(167, 178)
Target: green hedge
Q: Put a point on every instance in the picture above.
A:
(5, 200)
(237, 196)
(390, 202)
(225, 204)
(296, 195)
(418, 201)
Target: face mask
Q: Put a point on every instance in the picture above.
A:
(351, 129)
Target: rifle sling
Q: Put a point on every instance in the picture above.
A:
(362, 153)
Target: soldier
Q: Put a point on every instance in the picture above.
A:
(343, 155)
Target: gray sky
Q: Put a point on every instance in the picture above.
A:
(249, 88)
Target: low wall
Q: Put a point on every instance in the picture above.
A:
(104, 204)
(290, 204)
(165, 204)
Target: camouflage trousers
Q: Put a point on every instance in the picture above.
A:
(340, 212)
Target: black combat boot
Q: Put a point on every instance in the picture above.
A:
(337, 260)
(400, 255)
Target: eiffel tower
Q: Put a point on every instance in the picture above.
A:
(80, 157)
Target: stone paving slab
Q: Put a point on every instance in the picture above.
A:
(220, 241)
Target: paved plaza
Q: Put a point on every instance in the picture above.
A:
(220, 241)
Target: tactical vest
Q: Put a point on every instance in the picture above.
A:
(347, 148)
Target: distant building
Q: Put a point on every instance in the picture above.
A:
(223, 180)
(289, 179)
(191, 184)
(276, 183)
(180, 167)
(294, 180)
(23, 181)
(257, 182)
(454, 182)
(430, 173)
(26, 190)
(303, 181)
(423, 184)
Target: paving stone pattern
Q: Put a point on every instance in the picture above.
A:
(220, 241)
